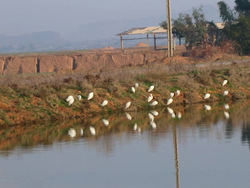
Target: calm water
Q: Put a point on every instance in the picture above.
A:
(203, 148)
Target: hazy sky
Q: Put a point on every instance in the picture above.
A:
(26, 16)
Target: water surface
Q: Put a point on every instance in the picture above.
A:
(203, 148)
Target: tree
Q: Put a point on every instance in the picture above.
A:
(192, 28)
(237, 24)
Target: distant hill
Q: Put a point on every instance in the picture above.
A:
(88, 36)
(40, 41)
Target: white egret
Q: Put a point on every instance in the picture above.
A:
(207, 107)
(70, 99)
(154, 103)
(91, 95)
(171, 95)
(224, 82)
(104, 103)
(81, 131)
(139, 129)
(105, 122)
(72, 132)
(151, 88)
(178, 92)
(179, 115)
(155, 113)
(135, 126)
(92, 130)
(170, 110)
(79, 97)
(150, 97)
(170, 101)
(128, 104)
(151, 117)
(136, 85)
(128, 116)
(225, 93)
(207, 95)
(173, 115)
(153, 124)
(133, 89)
(226, 106)
(226, 114)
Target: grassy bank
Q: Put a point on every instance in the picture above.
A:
(41, 97)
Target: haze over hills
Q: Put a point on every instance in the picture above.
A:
(86, 36)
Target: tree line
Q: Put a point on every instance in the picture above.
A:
(198, 32)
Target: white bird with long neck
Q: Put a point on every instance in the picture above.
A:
(226, 114)
(81, 132)
(128, 116)
(92, 130)
(133, 89)
(153, 124)
(79, 97)
(151, 88)
(72, 133)
(150, 97)
(91, 95)
(151, 117)
(128, 104)
(171, 95)
(226, 106)
(170, 101)
(104, 103)
(155, 113)
(70, 99)
(170, 110)
(105, 122)
(207, 95)
(225, 93)
(136, 84)
(154, 103)
(207, 107)
(135, 126)
(179, 115)
(224, 82)
(178, 92)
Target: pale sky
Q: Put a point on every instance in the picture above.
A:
(26, 16)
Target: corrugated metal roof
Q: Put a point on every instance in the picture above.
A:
(144, 30)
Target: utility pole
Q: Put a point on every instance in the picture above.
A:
(169, 28)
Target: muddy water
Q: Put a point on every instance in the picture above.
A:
(201, 148)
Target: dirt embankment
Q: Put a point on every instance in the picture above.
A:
(85, 61)
(26, 98)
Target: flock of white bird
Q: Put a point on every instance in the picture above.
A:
(151, 115)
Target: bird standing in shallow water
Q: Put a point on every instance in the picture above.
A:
(72, 132)
(92, 130)
(91, 95)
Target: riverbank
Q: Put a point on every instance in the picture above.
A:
(28, 98)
